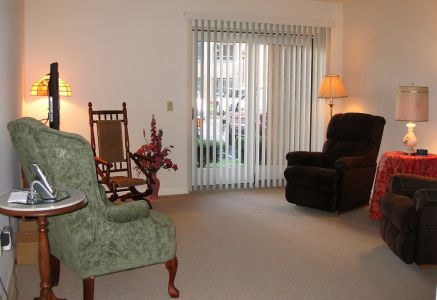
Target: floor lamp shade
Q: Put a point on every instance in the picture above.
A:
(330, 88)
(411, 106)
(52, 86)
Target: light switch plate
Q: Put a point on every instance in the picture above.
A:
(169, 105)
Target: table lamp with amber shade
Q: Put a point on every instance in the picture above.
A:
(330, 88)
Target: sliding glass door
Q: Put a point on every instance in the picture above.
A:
(253, 100)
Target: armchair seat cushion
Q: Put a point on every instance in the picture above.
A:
(313, 177)
(119, 246)
(123, 181)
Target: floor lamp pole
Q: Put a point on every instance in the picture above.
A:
(331, 104)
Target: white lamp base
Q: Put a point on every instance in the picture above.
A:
(410, 139)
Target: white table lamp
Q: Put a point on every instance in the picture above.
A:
(411, 106)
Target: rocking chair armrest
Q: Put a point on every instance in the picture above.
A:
(104, 174)
(136, 157)
(102, 161)
(127, 212)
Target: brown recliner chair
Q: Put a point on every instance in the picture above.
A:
(409, 221)
(341, 176)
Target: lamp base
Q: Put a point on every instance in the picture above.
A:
(410, 139)
(331, 105)
(409, 153)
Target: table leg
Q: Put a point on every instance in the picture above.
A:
(46, 292)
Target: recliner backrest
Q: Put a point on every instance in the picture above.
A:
(353, 135)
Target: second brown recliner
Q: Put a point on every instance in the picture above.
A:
(409, 220)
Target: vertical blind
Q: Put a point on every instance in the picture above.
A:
(254, 100)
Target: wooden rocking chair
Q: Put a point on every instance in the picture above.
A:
(113, 159)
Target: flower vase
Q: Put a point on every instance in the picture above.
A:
(155, 187)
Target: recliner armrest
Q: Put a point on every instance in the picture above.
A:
(400, 210)
(426, 235)
(407, 184)
(350, 163)
(310, 176)
(127, 212)
(426, 198)
(305, 158)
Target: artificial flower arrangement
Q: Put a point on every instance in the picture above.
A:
(153, 157)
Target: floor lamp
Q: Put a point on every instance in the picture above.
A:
(330, 88)
(53, 89)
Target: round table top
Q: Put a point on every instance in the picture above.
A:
(76, 201)
(402, 155)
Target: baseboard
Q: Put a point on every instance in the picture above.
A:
(428, 266)
(173, 191)
(11, 286)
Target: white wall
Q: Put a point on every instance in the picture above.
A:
(11, 65)
(136, 51)
(388, 43)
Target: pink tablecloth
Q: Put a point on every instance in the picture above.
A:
(396, 162)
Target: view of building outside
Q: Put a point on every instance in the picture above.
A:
(223, 100)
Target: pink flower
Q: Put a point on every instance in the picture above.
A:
(153, 151)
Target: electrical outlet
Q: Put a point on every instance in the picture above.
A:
(5, 238)
(169, 105)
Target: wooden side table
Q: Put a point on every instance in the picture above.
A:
(77, 200)
(397, 162)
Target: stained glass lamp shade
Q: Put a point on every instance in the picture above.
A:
(40, 87)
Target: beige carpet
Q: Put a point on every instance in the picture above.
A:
(254, 245)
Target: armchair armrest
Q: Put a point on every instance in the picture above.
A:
(350, 163)
(305, 158)
(407, 184)
(426, 198)
(127, 212)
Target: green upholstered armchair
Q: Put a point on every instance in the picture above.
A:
(103, 237)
